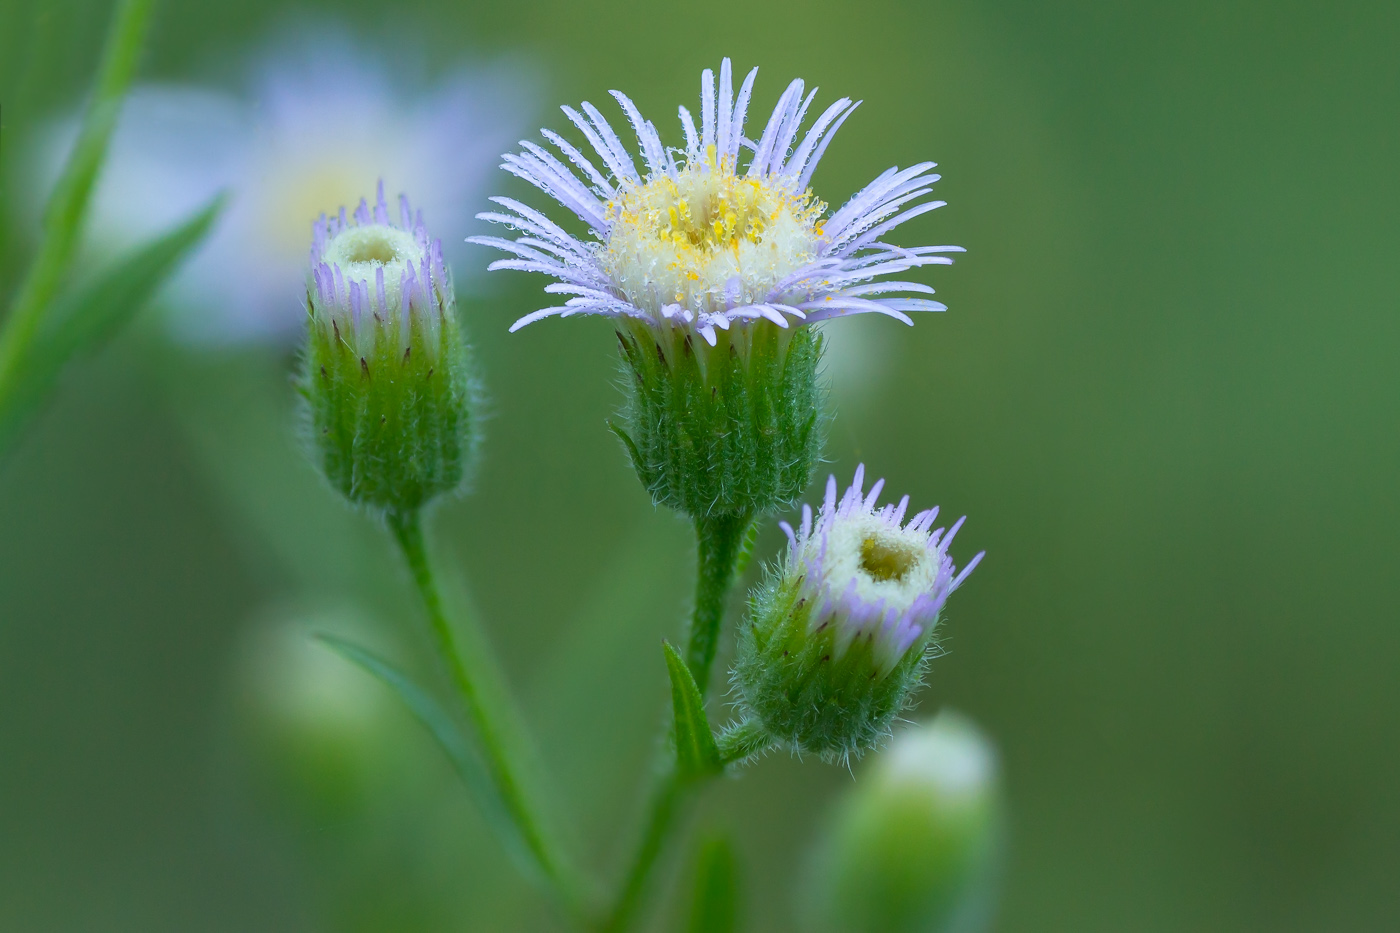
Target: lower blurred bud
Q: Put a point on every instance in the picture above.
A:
(915, 846)
(317, 729)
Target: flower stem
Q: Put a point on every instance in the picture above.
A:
(718, 541)
(738, 742)
(666, 798)
(495, 749)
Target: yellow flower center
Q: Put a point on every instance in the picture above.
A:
(888, 557)
(708, 238)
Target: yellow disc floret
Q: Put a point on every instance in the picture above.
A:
(707, 238)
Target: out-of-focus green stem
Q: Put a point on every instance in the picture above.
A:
(495, 748)
(63, 218)
(740, 741)
(666, 798)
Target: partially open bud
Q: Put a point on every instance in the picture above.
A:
(386, 367)
(734, 428)
(837, 636)
(915, 845)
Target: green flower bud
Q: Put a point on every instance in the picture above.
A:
(733, 428)
(386, 369)
(914, 847)
(837, 637)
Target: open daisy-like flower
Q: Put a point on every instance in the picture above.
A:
(726, 230)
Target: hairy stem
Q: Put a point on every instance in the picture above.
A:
(718, 541)
(738, 742)
(495, 749)
(742, 740)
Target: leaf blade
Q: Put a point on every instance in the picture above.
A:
(89, 317)
(696, 752)
(68, 204)
(445, 730)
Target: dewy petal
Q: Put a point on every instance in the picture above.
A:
(763, 154)
(692, 138)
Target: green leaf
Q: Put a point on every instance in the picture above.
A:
(445, 729)
(68, 205)
(696, 754)
(715, 908)
(83, 321)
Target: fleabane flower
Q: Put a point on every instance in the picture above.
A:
(839, 633)
(723, 232)
(709, 258)
(386, 370)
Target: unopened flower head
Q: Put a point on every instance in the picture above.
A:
(707, 257)
(838, 635)
(386, 367)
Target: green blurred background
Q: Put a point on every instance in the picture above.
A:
(1165, 395)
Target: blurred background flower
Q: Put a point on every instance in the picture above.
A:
(324, 117)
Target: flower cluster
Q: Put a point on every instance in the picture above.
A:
(838, 633)
(708, 262)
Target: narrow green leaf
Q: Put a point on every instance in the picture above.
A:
(67, 207)
(715, 908)
(464, 758)
(89, 317)
(696, 754)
